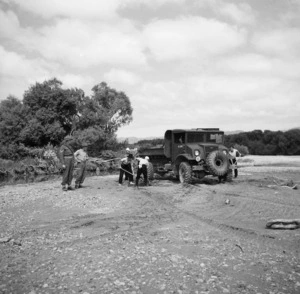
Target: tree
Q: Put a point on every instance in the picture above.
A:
(100, 116)
(114, 107)
(13, 118)
(51, 112)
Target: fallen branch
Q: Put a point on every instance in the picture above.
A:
(283, 224)
(100, 160)
(295, 187)
(237, 245)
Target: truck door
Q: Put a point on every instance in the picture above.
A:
(179, 140)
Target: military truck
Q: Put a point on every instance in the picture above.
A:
(190, 153)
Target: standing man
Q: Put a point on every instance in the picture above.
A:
(233, 154)
(66, 156)
(81, 158)
(142, 169)
(126, 168)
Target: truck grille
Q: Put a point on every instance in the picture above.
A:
(209, 149)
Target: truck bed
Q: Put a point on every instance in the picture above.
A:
(156, 155)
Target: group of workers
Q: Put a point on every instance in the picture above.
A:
(71, 160)
(128, 170)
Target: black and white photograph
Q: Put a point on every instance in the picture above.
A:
(150, 147)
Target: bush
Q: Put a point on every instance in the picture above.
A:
(107, 154)
(242, 149)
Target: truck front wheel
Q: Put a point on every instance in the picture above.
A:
(185, 173)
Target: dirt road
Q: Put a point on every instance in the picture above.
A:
(166, 238)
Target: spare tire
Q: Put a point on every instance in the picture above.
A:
(217, 163)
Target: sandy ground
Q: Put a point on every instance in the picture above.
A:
(165, 238)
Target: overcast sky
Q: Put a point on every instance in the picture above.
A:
(183, 63)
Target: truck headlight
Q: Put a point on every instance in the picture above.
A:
(197, 153)
(197, 158)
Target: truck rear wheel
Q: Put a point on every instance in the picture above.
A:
(217, 163)
(150, 171)
(185, 173)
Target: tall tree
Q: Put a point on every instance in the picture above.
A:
(13, 118)
(114, 107)
(100, 116)
(51, 112)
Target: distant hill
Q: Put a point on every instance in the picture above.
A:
(233, 132)
(133, 140)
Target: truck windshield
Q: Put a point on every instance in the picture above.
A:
(195, 137)
(205, 137)
(215, 138)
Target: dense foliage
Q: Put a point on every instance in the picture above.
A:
(48, 113)
(268, 142)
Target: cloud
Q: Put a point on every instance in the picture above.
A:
(9, 24)
(260, 65)
(89, 9)
(246, 63)
(122, 77)
(80, 45)
(16, 65)
(18, 72)
(76, 80)
(191, 37)
(279, 42)
(240, 13)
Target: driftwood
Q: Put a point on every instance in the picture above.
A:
(295, 187)
(283, 224)
(100, 160)
(284, 184)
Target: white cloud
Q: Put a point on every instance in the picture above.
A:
(191, 37)
(241, 13)
(280, 42)
(69, 8)
(123, 77)
(243, 63)
(260, 65)
(9, 23)
(76, 81)
(15, 65)
(17, 72)
(80, 45)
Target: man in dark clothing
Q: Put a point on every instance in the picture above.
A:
(66, 156)
(126, 167)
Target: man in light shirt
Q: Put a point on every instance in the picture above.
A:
(81, 158)
(142, 170)
(233, 154)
